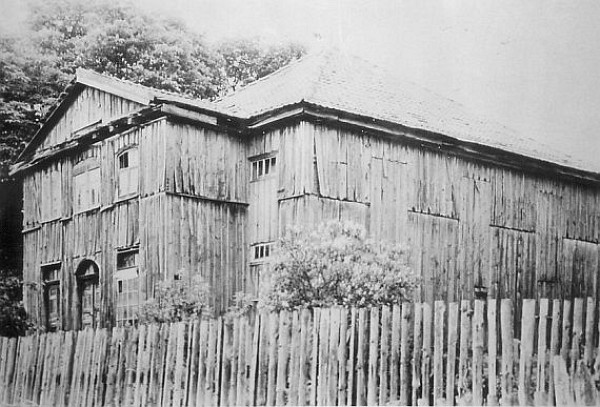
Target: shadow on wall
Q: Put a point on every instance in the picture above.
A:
(11, 205)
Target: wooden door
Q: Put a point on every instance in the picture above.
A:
(89, 294)
(89, 303)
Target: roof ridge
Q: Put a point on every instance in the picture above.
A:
(275, 73)
(130, 83)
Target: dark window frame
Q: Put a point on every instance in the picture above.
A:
(51, 284)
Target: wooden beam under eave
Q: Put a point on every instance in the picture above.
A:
(453, 146)
(88, 137)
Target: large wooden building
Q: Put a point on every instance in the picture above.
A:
(125, 186)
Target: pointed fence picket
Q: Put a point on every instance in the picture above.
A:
(409, 354)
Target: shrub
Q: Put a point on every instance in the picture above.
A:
(242, 304)
(176, 301)
(13, 318)
(337, 265)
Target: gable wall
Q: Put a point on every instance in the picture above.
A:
(89, 106)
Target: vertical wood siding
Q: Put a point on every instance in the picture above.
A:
(205, 238)
(473, 229)
(152, 153)
(296, 162)
(88, 107)
(96, 234)
(262, 193)
(434, 246)
(205, 163)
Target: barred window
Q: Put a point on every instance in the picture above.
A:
(263, 167)
(262, 251)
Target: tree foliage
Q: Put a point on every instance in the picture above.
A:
(337, 265)
(29, 83)
(121, 40)
(13, 318)
(175, 301)
(246, 61)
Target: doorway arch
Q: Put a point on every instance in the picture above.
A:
(88, 293)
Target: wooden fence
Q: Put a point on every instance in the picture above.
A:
(410, 354)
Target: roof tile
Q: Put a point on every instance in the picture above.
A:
(333, 79)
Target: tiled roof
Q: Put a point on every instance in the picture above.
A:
(336, 80)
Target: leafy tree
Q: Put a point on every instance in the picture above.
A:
(29, 84)
(157, 53)
(246, 60)
(117, 39)
(122, 41)
(13, 318)
(174, 301)
(337, 265)
(11, 240)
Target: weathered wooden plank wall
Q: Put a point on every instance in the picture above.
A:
(207, 239)
(95, 234)
(334, 356)
(473, 229)
(88, 107)
(205, 163)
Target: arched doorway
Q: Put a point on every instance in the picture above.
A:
(88, 292)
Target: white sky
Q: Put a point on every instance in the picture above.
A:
(532, 65)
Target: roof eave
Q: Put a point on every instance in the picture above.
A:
(88, 136)
(82, 78)
(69, 93)
(421, 137)
(100, 131)
(109, 85)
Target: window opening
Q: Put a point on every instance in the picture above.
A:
(51, 280)
(263, 167)
(127, 287)
(89, 293)
(128, 172)
(262, 251)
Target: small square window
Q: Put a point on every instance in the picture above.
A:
(262, 251)
(50, 273)
(124, 160)
(127, 259)
(263, 167)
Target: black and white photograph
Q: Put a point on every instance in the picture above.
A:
(299, 203)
